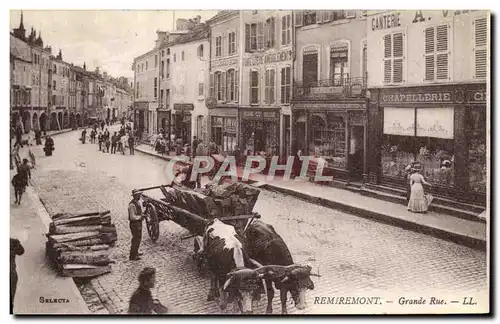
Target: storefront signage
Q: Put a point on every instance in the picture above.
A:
(436, 97)
(260, 114)
(224, 62)
(183, 106)
(330, 106)
(477, 96)
(141, 105)
(268, 58)
(386, 21)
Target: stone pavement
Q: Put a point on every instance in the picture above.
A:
(443, 226)
(37, 280)
(352, 254)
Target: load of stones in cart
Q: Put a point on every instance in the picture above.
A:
(79, 245)
(215, 200)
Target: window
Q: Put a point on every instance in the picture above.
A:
(54, 85)
(156, 61)
(146, 65)
(339, 57)
(162, 53)
(182, 56)
(168, 68)
(175, 58)
(270, 33)
(436, 53)
(260, 35)
(168, 51)
(310, 66)
(253, 36)
(232, 43)
(309, 17)
(254, 87)
(286, 30)
(162, 69)
(393, 58)
(480, 48)
(201, 87)
(269, 93)
(328, 138)
(364, 62)
(220, 85)
(286, 84)
(232, 85)
(55, 69)
(137, 90)
(161, 96)
(218, 46)
(167, 99)
(156, 88)
(200, 51)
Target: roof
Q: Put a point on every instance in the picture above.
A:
(197, 33)
(222, 15)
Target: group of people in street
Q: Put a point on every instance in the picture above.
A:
(108, 143)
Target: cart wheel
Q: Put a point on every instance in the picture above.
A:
(152, 223)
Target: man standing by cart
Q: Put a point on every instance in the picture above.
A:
(135, 218)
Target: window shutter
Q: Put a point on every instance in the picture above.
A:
(319, 16)
(282, 85)
(442, 55)
(299, 18)
(267, 32)
(283, 30)
(387, 58)
(229, 74)
(429, 53)
(211, 85)
(326, 16)
(266, 87)
(223, 41)
(250, 97)
(273, 86)
(223, 82)
(260, 35)
(236, 85)
(247, 37)
(480, 49)
(273, 32)
(236, 41)
(398, 58)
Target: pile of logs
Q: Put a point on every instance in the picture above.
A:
(217, 200)
(79, 244)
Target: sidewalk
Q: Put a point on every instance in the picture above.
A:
(29, 223)
(446, 227)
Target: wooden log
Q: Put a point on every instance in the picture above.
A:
(61, 238)
(87, 242)
(83, 270)
(63, 229)
(60, 216)
(86, 220)
(82, 248)
(85, 257)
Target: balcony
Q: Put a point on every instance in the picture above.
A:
(330, 89)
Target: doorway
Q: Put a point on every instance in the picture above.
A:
(357, 152)
(259, 136)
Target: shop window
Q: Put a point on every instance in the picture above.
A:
(393, 58)
(232, 43)
(328, 138)
(477, 149)
(286, 84)
(339, 59)
(480, 48)
(286, 28)
(224, 133)
(254, 87)
(270, 84)
(218, 46)
(436, 53)
(431, 143)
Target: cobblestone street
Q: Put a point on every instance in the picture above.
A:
(353, 255)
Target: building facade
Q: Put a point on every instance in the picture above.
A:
(60, 95)
(429, 99)
(329, 94)
(189, 69)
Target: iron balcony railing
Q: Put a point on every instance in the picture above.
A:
(331, 88)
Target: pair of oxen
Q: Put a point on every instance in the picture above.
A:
(242, 257)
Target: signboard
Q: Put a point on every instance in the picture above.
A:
(258, 59)
(257, 114)
(330, 106)
(399, 121)
(224, 62)
(141, 105)
(183, 106)
(429, 97)
(386, 21)
(435, 122)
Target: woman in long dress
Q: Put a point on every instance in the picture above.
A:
(419, 201)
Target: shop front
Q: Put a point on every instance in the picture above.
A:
(141, 116)
(223, 124)
(260, 131)
(442, 127)
(335, 131)
(182, 121)
(164, 121)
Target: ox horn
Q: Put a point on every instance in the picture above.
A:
(284, 279)
(227, 283)
(255, 263)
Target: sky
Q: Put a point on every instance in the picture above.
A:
(109, 39)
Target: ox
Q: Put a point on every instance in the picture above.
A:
(268, 248)
(228, 263)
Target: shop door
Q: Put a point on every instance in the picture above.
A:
(259, 139)
(356, 152)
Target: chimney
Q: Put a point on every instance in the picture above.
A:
(161, 38)
(105, 76)
(181, 24)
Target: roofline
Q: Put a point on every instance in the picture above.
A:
(221, 16)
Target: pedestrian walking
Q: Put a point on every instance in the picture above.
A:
(419, 201)
(135, 217)
(21, 180)
(142, 301)
(108, 144)
(16, 248)
(194, 146)
(131, 142)
(84, 135)
(38, 137)
(92, 136)
(100, 140)
(114, 143)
